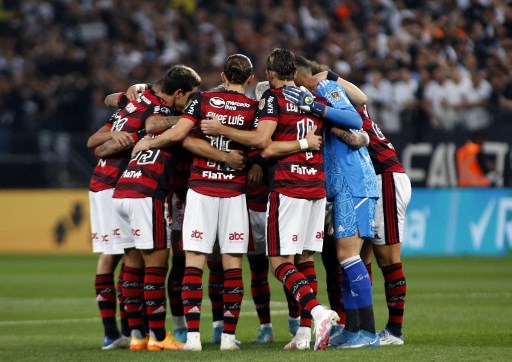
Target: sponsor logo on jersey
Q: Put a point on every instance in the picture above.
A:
(270, 105)
(191, 106)
(143, 98)
(132, 174)
(130, 108)
(196, 234)
(303, 170)
(162, 110)
(236, 236)
(217, 102)
(217, 175)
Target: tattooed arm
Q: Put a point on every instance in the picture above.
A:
(355, 139)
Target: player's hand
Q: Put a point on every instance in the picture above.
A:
(255, 176)
(314, 141)
(235, 159)
(125, 139)
(211, 126)
(134, 90)
(141, 146)
(299, 96)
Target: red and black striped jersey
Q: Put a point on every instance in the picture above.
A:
(234, 109)
(182, 173)
(148, 174)
(383, 154)
(107, 171)
(300, 175)
(130, 118)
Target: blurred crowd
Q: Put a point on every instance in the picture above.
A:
(424, 64)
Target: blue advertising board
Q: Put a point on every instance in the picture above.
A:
(472, 221)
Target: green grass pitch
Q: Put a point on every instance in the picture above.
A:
(458, 309)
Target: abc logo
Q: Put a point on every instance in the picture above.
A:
(196, 234)
(236, 236)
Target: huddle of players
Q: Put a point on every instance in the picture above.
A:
(130, 206)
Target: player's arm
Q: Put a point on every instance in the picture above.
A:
(355, 139)
(105, 133)
(159, 124)
(257, 138)
(278, 149)
(202, 148)
(112, 100)
(354, 93)
(169, 137)
(346, 118)
(113, 145)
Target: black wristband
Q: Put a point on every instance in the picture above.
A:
(332, 76)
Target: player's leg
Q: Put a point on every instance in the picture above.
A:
(233, 231)
(259, 266)
(216, 293)
(199, 234)
(150, 219)
(133, 275)
(101, 226)
(287, 220)
(351, 215)
(391, 208)
(177, 271)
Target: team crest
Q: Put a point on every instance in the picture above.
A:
(335, 95)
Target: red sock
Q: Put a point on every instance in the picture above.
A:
(132, 294)
(106, 298)
(154, 299)
(395, 289)
(293, 305)
(260, 289)
(192, 296)
(216, 289)
(174, 285)
(233, 296)
(297, 285)
(125, 329)
(308, 269)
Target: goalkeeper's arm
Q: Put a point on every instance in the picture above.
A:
(345, 117)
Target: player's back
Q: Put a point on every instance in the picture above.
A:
(299, 175)
(383, 154)
(234, 110)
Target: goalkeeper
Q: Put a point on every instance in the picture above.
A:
(351, 185)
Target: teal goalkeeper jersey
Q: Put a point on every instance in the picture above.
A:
(342, 163)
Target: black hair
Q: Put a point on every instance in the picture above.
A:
(282, 61)
(179, 77)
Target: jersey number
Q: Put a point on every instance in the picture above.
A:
(303, 127)
(221, 143)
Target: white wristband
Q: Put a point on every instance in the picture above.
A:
(303, 144)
